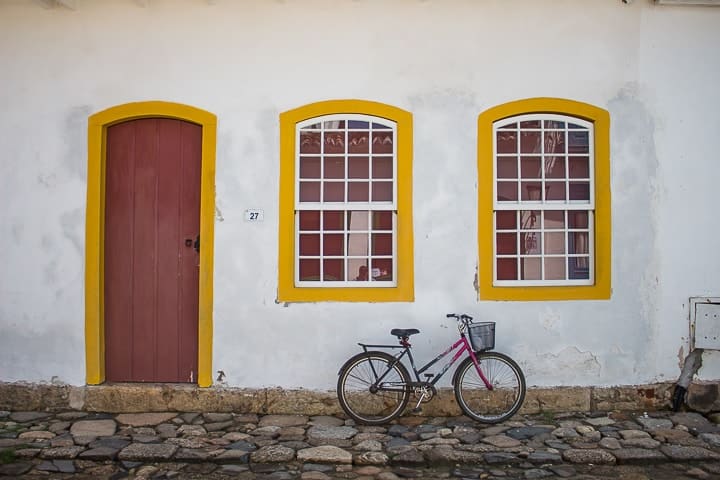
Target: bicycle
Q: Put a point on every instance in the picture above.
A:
(374, 386)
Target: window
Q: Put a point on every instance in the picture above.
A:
(544, 201)
(345, 224)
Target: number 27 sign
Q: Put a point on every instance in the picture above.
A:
(254, 215)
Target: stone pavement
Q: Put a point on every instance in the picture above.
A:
(75, 444)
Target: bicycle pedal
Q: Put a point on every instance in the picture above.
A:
(417, 410)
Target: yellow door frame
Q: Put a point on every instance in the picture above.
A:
(95, 224)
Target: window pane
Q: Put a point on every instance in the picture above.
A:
(310, 142)
(334, 192)
(530, 167)
(506, 220)
(580, 191)
(554, 124)
(334, 167)
(358, 244)
(554, 219)
(380, 126)
(333, 269)
(555, 243)
(555, 268)
(530, 219)
(358, 191)
(358, 142)
(579, 142)
(554, 142)
(555, 190)
(309, 220)
(507, 167)
(507, 191)
(382, 167)
(531, 243)
(358, 124)
(334, 142)
(334, 124)
(530, 269)
(382, 191)
(531, 191)
(309, 269)
(578, 219)
(530, 124)
(309, 244)
(530, 142)
(507, 268)
(579, 242)
(382, 142)
(579, 167)
(555, 167)
(333, 244)
(381, 269)
(310, 167)
(578, 268)
(506, 142)
(382, 220)
(382, 244)
(358, 167)
(333, 220)
(506, 243)
(358, 270)
(309, 191)
(358, 220)
(508, 126)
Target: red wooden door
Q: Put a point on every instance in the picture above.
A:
(152, 221)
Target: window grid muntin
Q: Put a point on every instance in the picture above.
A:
(543, 204)
(320, 125)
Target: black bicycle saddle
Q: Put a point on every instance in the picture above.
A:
(404, 332)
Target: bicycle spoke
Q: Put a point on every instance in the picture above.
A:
(508, 388)
(366, 400)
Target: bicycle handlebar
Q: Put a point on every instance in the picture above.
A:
(460, 317)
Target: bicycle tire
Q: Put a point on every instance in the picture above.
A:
(353, 388)
(498, 404)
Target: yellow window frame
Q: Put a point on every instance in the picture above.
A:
(287, 291)
(601, 289)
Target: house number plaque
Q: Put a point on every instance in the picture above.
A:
(254, 215)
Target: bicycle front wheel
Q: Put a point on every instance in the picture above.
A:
(508, 387)
(372, 390)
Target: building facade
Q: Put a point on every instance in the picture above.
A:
(193, 187)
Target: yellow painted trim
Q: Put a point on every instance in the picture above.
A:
(603, 235)
(287, 291)
(94, 252)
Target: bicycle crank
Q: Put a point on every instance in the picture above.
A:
(424, 394)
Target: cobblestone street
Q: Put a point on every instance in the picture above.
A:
(76, 444)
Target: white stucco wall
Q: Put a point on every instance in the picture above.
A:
(655, 69)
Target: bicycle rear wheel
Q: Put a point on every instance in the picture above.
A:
(365, 399)
(498, 404)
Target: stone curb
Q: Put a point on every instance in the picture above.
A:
(134, 398)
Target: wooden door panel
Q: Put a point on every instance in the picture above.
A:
(117, 267)
(151, 292)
